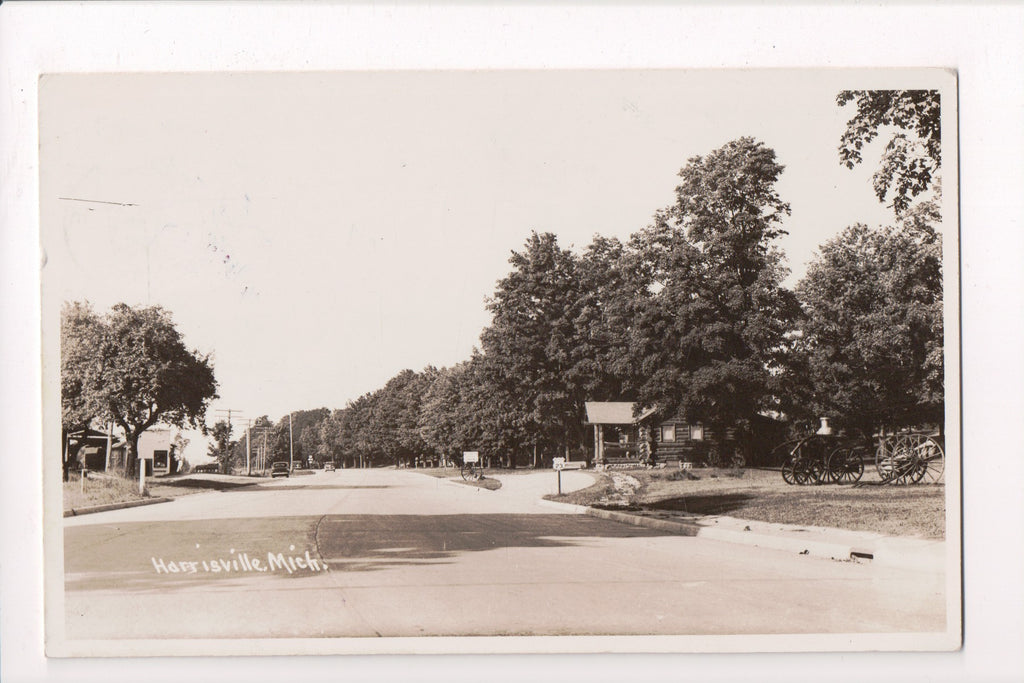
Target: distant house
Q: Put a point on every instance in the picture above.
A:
(616, 431)
(88, 448)
(155, 448)
(618, 435)
(99, 451)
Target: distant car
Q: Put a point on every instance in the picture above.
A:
(329, 467)
(279, 469)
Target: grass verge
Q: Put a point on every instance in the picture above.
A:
(761, 495)
(103, 489)
(453, 474)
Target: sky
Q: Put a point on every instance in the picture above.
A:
(319, 232)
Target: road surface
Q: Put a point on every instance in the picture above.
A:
(368, 553)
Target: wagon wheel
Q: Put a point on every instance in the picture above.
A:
(929, 459)
(817, 470)
(808, 465)
(903, 459)
(470, 472)
(789, 470)
(845, 465)
(885, 461)
(854, 465)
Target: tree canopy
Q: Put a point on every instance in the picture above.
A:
(872, 340)
(131, 366)
(707, 340)
(912, 159)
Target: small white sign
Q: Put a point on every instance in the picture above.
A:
(558, 463)
(470, 456)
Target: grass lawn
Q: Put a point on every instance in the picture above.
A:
(452, 473)
(762, 495)
(102, 489)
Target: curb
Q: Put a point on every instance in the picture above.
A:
(926, 556)
(567, 507)
(453, 482)
(681, 528)
(831, 551)
(75, 512)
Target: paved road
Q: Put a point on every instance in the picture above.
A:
(397, 553)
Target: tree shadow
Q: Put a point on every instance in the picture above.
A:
(321, 487)
(710, 504)
(125, 557)
(206, 484)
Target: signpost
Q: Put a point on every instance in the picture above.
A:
(562, 464)
(470, 456)
(142, 472)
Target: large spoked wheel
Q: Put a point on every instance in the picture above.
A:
(910, 459)
(789, 471)
(895, 460)
(810, 466)
(845, 465)
(929, 459)
(885, 461)
(470, 472)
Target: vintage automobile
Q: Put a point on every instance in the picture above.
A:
(329, 467)
(279, 469)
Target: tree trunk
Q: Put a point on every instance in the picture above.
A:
(131, 454)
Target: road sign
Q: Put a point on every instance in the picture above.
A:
(563, 464)
(470, 456)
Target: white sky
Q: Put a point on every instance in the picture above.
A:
(319, 232)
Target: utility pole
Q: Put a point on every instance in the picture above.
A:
(220, 413)
(248, 448)
(291, 447)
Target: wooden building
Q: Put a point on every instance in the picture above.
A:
(619, 435)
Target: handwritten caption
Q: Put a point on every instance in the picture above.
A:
(242, 563)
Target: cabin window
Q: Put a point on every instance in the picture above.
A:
(668, 432)
(696, 432)
(159, 458)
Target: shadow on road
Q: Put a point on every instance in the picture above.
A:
(121, 557)
(321, 487)
(208, 484)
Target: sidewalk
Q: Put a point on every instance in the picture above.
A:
(839, 544)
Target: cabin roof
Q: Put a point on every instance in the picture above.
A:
(614, 413)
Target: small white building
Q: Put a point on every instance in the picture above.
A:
(155, 450)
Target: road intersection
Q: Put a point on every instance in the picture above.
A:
(393, 553)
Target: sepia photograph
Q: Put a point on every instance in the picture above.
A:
(500, 361)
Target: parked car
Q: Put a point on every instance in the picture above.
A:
(279, 469)
(329, 467)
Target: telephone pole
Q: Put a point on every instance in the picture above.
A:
(228, 412)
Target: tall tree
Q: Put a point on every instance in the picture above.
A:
(393, 425)
(530, 342)
(610, 287)
(872, 340)
(707, 340)
(912, 159)
(79, 339)
(131, 366)
(464, 410)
